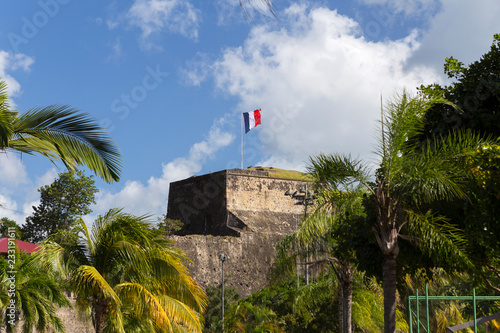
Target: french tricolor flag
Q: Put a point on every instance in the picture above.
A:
(252, 119)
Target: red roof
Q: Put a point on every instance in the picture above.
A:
(22, 246)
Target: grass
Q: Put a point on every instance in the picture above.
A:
(281, 173)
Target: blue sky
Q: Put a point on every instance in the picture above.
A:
(170, 78)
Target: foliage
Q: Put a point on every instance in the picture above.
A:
(128, 276)
(213, 316)
(7, 223)
(449, 313)
(484, 165)
(60, 133)
(246, 317)
(296, 311)
(62, 203)
(33, 293)
(170, 226)
(476, 92)
(314, 308)
(409, 177)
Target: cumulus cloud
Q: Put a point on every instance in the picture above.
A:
(154, 16)
(318, 82)
(462, 29)
(18, 192)
(12, 169)
(10, 62)
(151, 198)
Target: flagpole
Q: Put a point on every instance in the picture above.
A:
(242, 141)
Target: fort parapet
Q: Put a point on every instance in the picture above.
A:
(242, 213)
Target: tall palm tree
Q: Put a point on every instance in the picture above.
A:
(128, 276)
(29, 296)
(409, 176)
(324, 232)
(60, 133)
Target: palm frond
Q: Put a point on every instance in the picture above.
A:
(402, 120)
(438, 237)
(88, 281)
(338, 172)
(145, 303)
(69, 135)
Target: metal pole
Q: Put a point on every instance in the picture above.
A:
(474, 308)
(418, 314)
(409, 315)
(427, 305)
(306, 268)
(222, 298)
(242, 141)
(223, 257)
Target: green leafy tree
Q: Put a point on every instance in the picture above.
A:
(29, 295)
(170, 226)
(129, 277)
(475, 89)
(409, 176)
(5, 224)
(213, 314)
(60, 133)
(246, 317)
(62, 204)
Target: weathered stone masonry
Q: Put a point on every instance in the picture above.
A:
(242, 213)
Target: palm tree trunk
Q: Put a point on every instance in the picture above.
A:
(341, 308)
(347, 290)
(100, 311)
(389, 284)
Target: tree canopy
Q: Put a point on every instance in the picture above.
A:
(128, 276)
(62, 203)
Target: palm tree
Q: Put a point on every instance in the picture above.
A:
(408, 177)
(60, 133)
(325, 231)
(128, 276)
(29, 294)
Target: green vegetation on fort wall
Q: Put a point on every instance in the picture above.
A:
(282, 173)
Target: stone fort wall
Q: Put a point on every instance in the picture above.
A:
(242, 213)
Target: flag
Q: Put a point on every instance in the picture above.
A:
(252, 119)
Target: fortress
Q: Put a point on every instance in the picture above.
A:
(242, 213)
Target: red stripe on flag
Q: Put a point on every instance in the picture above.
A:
(256, 115)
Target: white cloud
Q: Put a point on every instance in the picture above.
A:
(462, 29)
(154, 16)
(151, 198)
(18, 193)
(12, 169)
(412, 7)
(116, 51)
(10, 62)
(318, 82)
(8, 208)
(196, 70)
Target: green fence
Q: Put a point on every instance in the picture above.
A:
(414, 309)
